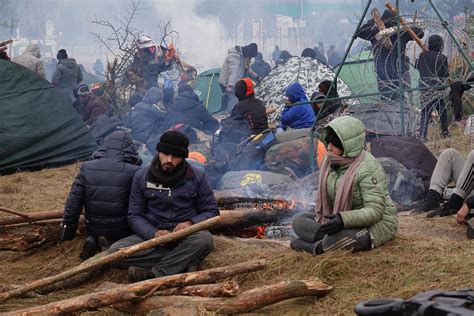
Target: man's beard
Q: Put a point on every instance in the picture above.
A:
(168, 168)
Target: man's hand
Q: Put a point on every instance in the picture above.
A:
(182, 225)
(462, 213)
(161, 232)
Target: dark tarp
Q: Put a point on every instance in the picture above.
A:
(38, 125)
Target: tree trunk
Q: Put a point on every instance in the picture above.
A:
(249, 217)
(224, 289)
(106, 258)
(32, 217)
(244, 303)
(135, 291)
(26, 237)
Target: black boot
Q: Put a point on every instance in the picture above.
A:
(90, 248)
(452, 207)
(103, 242)
(299, 244)
(431, 202)
(137, 274)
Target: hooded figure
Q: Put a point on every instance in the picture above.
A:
(308, 52)
(249, 107)
(145, 118)
(330, 106)
(188, 110)
(297, 116)
(260, 66)
(67, 74)
(354, 210)
(31, 59)
(102, 188)
(236, 65)
(386, 60)
(433, 67)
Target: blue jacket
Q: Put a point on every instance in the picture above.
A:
(152, 208)
(102, 188)
(297, 116)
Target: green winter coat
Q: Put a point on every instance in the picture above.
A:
(372, 206)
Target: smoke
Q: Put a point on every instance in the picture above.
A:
(199, 40)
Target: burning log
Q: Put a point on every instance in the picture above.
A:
(224, 289)
(136, 291)
(26, 237)
(246, 302)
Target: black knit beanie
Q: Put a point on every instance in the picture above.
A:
(62, 54)
(250, 50)
(331, 137)
(173, 143)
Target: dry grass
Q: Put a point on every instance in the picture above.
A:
(426, 254)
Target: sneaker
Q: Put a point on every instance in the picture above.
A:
(431, 202)
(299, 244)
(90, 248)
(103, 243)
(137, 274)
(445, 134)
(442, 212)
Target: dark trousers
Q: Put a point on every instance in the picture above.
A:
(306, 228)
(167, 260)
(440, 106)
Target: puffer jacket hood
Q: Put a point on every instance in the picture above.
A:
(435, 43)
(153, 96)
(68, 62)
(235, 50)
(118, 145)
(295, 93)
(350, 131)
(32, 49)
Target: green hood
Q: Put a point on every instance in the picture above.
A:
(350, 131)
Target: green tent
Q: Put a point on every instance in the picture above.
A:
(359, 74)
(38, 125)
(208, 89)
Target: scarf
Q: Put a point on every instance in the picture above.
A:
(343, 198)
(157, 176)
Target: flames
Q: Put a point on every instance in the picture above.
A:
(279, 204)
(260, 232)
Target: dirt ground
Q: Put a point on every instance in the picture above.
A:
(426, 254)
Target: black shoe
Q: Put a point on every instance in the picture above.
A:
(103, 243)
(445, 134)
(299, 244)
(192, 268)
(137, 274)
(90, 248)
(442, 212)
(431, 202)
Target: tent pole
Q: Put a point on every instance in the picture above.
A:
(400, 71)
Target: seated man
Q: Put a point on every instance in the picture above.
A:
(300, 115)
(451, 166)
(353, 207)
(102, 188)
(167, 196)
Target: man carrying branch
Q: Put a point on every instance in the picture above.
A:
(167, 196)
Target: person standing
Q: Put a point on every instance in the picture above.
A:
(67, 74)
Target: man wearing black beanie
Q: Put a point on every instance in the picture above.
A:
(167, 196)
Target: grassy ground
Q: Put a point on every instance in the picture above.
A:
(426, 254)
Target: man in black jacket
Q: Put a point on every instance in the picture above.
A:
(433, 67)
(249, 107)
(188, 110)
(102, 188)
(168, 196)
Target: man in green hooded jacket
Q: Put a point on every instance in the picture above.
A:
(353, 207)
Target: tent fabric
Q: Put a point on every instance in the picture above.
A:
(38, 125)
(305, 70)
(208, 89)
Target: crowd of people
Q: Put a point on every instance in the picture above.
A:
(125, 203)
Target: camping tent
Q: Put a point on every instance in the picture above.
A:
(305, 70)
(208, 89)
(38, 125)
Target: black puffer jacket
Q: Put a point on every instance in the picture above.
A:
(188, 110)
(102, 188)
(433, 65)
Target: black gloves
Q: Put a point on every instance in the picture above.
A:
(67, 232)
(334, 225)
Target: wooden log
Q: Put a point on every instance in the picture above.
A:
(32, 217)
(224, 289)
(104, 258)
(246, 302)
(249, 217)
(135, 291)
(413, 35)
(381, 26)
(27, 237)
